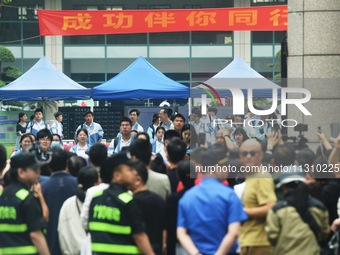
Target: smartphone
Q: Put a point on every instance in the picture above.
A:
(201, 139)
(335, 129)
(319, 130)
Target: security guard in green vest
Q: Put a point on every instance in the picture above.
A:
(115, 220)
(21, 220)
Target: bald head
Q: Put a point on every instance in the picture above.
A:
(251, 153)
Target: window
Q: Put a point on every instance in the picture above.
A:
(28, 12)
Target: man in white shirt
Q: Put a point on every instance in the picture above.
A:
(134, 116)
(94, 129)
(38, 123)
(57, 126)
(124, 140)
(164, 116)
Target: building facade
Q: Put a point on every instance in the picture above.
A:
(182, 56)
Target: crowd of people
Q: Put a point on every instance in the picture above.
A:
(180, 186)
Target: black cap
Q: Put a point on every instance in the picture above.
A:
(25, 160)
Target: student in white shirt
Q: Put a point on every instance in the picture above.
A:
(81, 148)
(57, 126)
(158, 143)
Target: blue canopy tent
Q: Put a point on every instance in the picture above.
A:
(140, 80)
(43, 82)
(237, 75)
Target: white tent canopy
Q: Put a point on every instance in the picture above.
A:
(238, 75)
(241, 75)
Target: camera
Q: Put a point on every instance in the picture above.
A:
(301, 127)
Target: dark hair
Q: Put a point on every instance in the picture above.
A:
(84, 130)
(241, 131)
(20, 115)
(157, 164)
(134, 110)
(75, 163)
(57, 114)
(193, 134)
(284, 155)
(58, 161)
(44, 133)
(24, 136)
(105, 171)
(159, 127)
(176, 150)
(38, 110)
(143, 133)
(87, 177)
(31, 134)
(212, 109)
(141, 170)
(55, 134)
(167, 111)
(141, 149)
(155, 117)
(88, 112)
(196, 154)
(178, 115)
(171, 134)
(97, 154)
(3, 157)
(186, 173)
(305, 157)
(125, 119)
(197, 112)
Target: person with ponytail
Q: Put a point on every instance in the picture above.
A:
(298, 223)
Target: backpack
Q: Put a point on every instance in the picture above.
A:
(153, 131)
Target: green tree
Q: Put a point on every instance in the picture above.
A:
(10, 73)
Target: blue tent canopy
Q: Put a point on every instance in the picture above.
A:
(140, 80)
(43, 82)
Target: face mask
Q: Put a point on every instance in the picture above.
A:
(55, 144)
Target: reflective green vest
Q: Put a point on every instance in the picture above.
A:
(109, 227)
(14, 236)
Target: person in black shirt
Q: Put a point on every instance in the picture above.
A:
(20, 212)
(152, 206)
(183, 170)
(176, 150)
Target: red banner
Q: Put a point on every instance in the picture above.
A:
(83, 22)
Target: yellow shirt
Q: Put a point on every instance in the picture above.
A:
(259, 191)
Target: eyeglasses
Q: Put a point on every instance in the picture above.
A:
(245, 153)
(125, 125)
(44, 140)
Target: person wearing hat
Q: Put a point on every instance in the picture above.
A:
(57, 126)
(299, 222)
(21, 218)
(115, 220)
(94, 129)
(209, 214)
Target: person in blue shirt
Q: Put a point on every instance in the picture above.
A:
(210, 214)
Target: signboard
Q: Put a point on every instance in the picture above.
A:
(85, 22)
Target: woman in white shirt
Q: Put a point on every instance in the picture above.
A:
(81, 148)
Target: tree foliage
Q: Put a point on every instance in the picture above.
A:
(9, 73)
